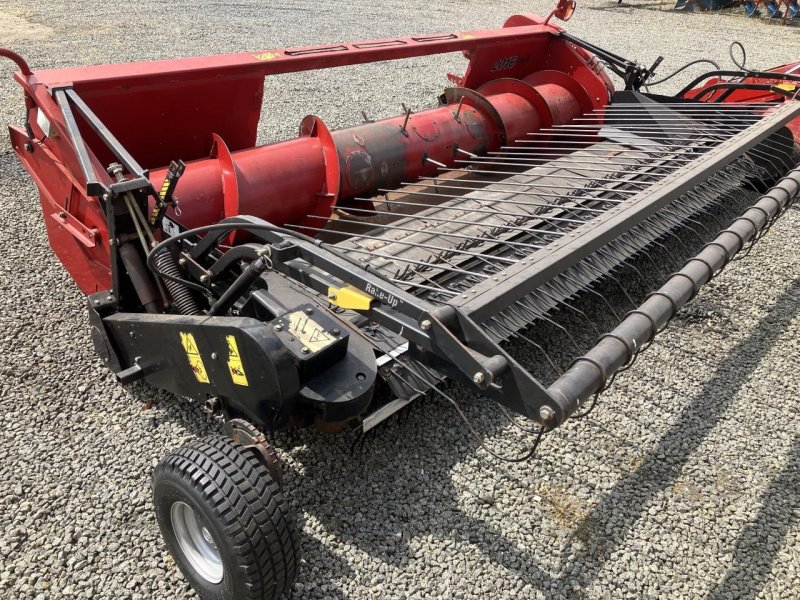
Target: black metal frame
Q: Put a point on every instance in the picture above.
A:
(450, 337)
(111, 194)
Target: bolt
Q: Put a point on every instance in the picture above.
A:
(106, 197)
(305, 350)
(203, 278)
(426, 325)
(28, 147)
(181, 261)
(62, 215)
(458, 112)
(213, 356)
(112, 242)
(309, 311)
(278, 327)
(208, 538)
(546, 414)
(335, 331)
(479, 378)
(109, 298)
(331, 296)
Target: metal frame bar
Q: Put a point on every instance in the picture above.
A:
(93, 186)
(106, 136)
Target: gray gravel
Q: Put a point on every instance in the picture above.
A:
(683, 484)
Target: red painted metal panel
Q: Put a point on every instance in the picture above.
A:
(163, 121)
(61, 194)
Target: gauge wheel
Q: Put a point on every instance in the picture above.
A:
(225, 521)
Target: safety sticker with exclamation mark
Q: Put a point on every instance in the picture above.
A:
(235, 365)
(193, 354)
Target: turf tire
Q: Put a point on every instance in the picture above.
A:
(236, 499)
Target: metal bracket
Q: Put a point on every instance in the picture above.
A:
(85, 235)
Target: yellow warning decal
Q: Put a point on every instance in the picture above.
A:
(193, 354)
(267, 55)
(466, 36)
(235, 365)
(786, 87)
(310, 333)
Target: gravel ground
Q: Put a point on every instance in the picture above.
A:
(683, 484)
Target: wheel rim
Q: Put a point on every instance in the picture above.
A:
(196, 542)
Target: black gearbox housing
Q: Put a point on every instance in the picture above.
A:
(305, 362)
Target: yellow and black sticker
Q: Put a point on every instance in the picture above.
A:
(267, 55)
(310, 333)
(193, 354)
(235, 365)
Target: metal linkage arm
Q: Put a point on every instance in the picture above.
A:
(67, 98)
(632, 73)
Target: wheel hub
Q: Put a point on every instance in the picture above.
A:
(196, 543)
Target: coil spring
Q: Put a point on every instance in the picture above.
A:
(182, 298)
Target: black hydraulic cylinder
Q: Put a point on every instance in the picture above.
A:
(140, 277)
